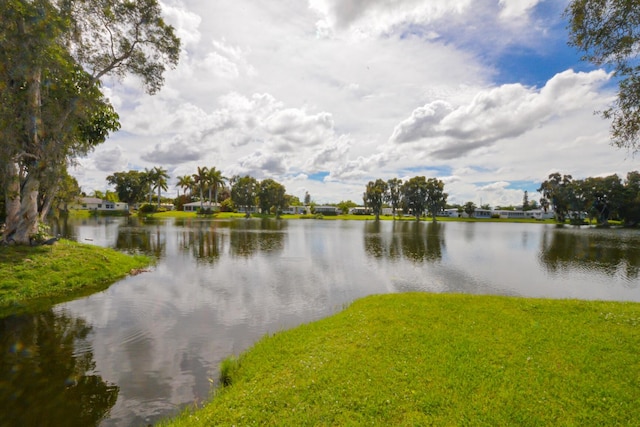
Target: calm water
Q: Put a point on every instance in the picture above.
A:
(151, 343)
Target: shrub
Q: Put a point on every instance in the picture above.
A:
(147, 208)
(228, 369)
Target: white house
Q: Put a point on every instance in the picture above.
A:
(514, 214)
(326, 210)
(295, 210)
(540, 214)
(195, 206)
(480, 213)
(96, 204)
(359, 210)
(450, 213)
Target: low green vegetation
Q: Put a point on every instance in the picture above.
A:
(49, 274)
(225, 215)
(440, 359)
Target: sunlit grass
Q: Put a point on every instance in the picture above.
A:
(349, 217)
(424, 359)
(61, 271)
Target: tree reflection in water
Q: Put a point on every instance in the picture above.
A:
(250, 236)
(200, 239)
(44, 379)
(416, 241)
(606, 251)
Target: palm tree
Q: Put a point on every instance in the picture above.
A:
(97, 194)
(160, 177)
(200, 179)
(147, 181)
(185, 182)
(215, 181)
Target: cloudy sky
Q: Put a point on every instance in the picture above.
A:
(326, 95)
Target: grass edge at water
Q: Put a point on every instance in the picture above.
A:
(443, 359)
(44, 275)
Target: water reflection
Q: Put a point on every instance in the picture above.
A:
(200, 240)
(46, 374)
(611, 252)
(249, 237)
(416, 241)
(220, 285)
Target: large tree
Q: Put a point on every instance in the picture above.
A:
(52, 110)
(436, 197)
(244, 193)
(394, 194)
(271, 194)
(414, 196)
(374, 196)
(215, 181)
(201, 180)
(186, 183)
(130, 186)
(556, 191)
(604, 196)
(607, 32)
(159, 177)
(630, 209)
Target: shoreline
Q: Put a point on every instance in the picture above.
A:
(41, 276)
(438, 359)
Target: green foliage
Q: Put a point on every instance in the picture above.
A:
(344, 206)
(556, 190)
(469, 208)
(52, 108)
(603, 198)
(374, 195)
(147, 208)
(31, 273)
(271, 195)
(130, 186)
(227, 205)
(244, 193)
(436, 197)
(394, 194)
(441, 359)
(414, 196)
(228, 369)
(608, 33)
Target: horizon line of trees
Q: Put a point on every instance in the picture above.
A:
(416, 196)
(601, 198)
(208, 186)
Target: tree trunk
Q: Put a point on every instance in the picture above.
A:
(28, 216)
(12, 200)
(28, 221)
(51, 196)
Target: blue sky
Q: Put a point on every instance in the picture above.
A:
(326, 95)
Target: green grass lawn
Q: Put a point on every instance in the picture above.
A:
(440, 359)
(48, 274)
(224, 215)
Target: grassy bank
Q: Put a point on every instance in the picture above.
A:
(49, 274)
(425, 359)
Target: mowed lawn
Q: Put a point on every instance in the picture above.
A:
(49, 274)
(440, 359)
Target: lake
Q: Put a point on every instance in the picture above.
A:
(151, 344)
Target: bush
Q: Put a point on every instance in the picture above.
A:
(147, 208)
